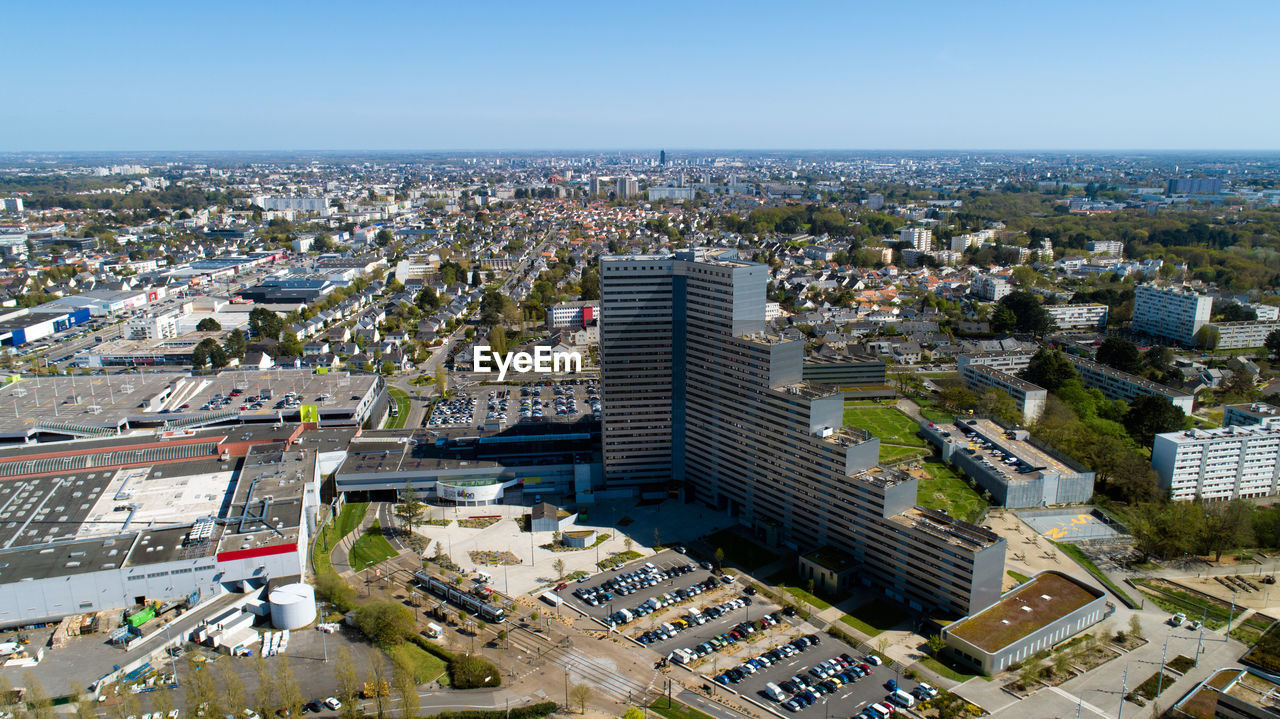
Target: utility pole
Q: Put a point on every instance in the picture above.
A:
(1164, 655)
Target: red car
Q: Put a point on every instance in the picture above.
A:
(562, 585)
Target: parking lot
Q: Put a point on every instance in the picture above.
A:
(504, 405)
(664, 562)
(851, 698)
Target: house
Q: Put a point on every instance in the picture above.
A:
(258, 360)
(315, 347)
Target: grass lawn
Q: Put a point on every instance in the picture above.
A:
(371, 548)
(402, 408)
(936, 415)
(950, 672)
(348, 519)
(876, 616)
(739, 550)
(946, 491)
(887, 423)
(1018, 577)
(676, 710)
(426, 666)
(804, 596)
(892, 452)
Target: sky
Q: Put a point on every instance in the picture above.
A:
(1170, 75)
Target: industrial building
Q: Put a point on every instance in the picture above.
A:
(1027, 397)
(1170, 313)
(1035, 616)
(1017, 470)
(1218, 464)
(289, 290)
(699, 397)
(110, 524)
(18, 327)
(1115, 384)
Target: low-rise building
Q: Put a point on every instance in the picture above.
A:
(573, 314)
(1011, 362)
(1241, 335)
(1254, 413)
(1115, 384)
(1035, 616)
(1029, 398)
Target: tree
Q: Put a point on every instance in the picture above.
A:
(1003, 319)
(492, 306)
(427, 299)
(378, 678)
(1272, 343)
(36, 697)
(558, 565)
(348, 685)
(289, 691)
(201, 691)
(208, 324)
(1150, 415)
(387, 622)
(233, 692)
(403, 682)
(1227, 526)
(1049, 369)
(1121, 354)
(335, 590)
(264, 695)
(410, 509)
(289, 346)
(936, 644)
(627, 543)
(383, 238)
(236, 345)
(1028, 314)
(265, 324)
(1208, 337)
(442, 382)
(999, 404)
(209, 353)
(719, 556)
(1135, 626)
(581, 694)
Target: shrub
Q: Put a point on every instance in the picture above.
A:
(532, 711)
(471, 672)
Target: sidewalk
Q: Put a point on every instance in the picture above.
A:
(341, 556)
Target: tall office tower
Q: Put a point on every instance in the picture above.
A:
(662, 158)
(697, 394)
(627, 187)
(1170, 313)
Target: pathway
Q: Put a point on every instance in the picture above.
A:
(340, 558)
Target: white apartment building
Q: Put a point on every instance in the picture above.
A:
(1218, 464)
(573, 314)
(1266, 313)
(1070, 317)
(772, 311)
(1029, 398)
(1242, 335)
(989, 287)
(153, 325)
(1115, 384)
(293, 204)
(11, 204)
(1170, 313)
(626, 187)
(1105, 247)
(1252, 414)
(920, 238)
(1011, 362)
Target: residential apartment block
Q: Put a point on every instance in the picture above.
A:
(1242, 335)
(1029, 398)
(1070, 317)
(1122, 385)
(1247, 415)
(1011, 362)
(697, 394)
(990, 288)
(1218, 464)
(573, 314)
(921, 238)
(1170, 313)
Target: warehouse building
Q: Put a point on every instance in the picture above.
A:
(1035, 616)
(19, 327)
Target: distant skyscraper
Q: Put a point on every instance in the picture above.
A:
(627, 187)
(662, 157)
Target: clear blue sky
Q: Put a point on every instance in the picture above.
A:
(563, 75)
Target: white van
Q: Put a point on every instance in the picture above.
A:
(774, 692)
(881, 710)
(903, 698)
(434, 631)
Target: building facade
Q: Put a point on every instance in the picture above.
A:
(1170, 313)
(1115, 384)
(1241, 335)
(921, 238)
(1218, 464)
(1070, 317)
(1029, 398)
(698, 394)
(991, 288)
(572, 314)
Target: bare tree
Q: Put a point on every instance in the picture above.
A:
(558, 565)
(581, 694)
(201, 691)
(378, 678)
(161, 701)
(264, 695)
(37, 698)
(287, 686)
(83, 706)
(344, 675)
(233, 692)
(405, 686)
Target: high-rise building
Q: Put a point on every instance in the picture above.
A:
(1195, 186)
(699, 396)
(627, 187)
(662, 157)
(11, 204)
(920, 238)
(1222, 463)
(1170, 313)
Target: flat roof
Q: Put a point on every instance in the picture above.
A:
(1046, 598)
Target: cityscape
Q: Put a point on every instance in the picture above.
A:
(492, 421)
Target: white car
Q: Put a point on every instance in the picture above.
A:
(333, 703)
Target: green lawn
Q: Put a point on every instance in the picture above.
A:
(887, 423)
(804, 596)
(401, 398)
(426, 667)
(946, 491)
(876, 616)
(347, 520)
(954, 673)
(892, 452)
(371, 548)
(1018, 577)
(740, 551)
(676, 710)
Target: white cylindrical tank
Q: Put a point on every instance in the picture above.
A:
(293, 606)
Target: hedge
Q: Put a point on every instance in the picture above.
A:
(531, 711)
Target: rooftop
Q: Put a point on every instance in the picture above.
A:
(1046, 598)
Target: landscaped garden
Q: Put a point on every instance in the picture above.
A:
(371, 548)
(946, 491)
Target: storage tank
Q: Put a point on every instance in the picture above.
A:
(293, 606)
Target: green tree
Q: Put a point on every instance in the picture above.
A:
(936, 644)
(1150, 415)
(1029, 315)
(427, 299)
(410, 509)
(208, 324)
(236, 345)
(289, 346)
(209, 352)
(406, 688)
(347, 683)
(1272, 343)
(1227, 526)
(233, 692)
(1049, 369)
(1003, 319)
(36, 697)
(386, 622)
(289, 691)
(265, 324)
(1208, 337)
(383, 238)
(1121, 354)
(581, 694)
